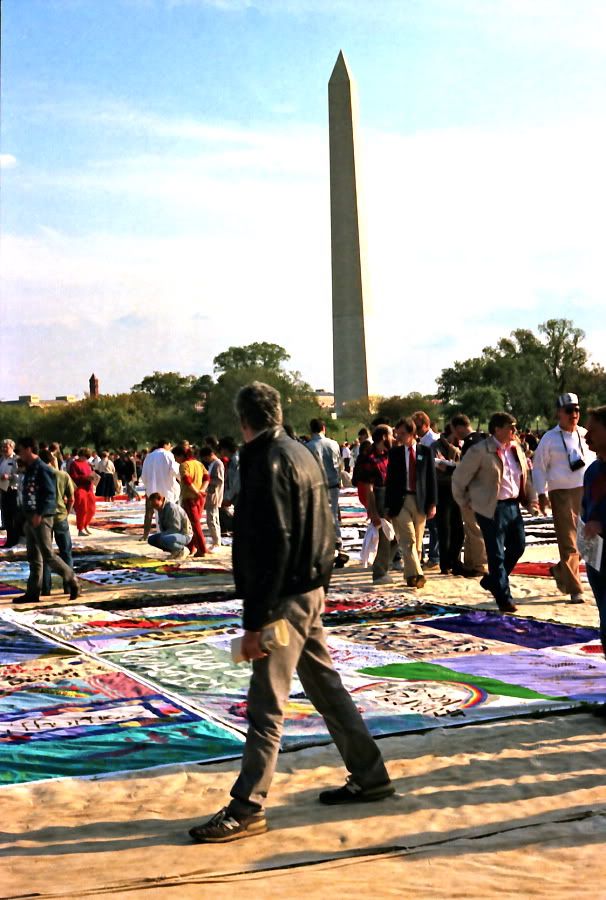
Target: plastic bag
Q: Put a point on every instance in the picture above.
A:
(370, 545)
(388, 530)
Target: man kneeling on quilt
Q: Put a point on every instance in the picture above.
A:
(174, 534)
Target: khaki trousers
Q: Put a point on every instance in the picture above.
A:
(474, 551)
(565, 506)
(409, 526)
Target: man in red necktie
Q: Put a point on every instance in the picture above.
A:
(410, 496)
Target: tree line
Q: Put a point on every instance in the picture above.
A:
(523, 374)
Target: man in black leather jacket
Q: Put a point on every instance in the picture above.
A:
(283, 554)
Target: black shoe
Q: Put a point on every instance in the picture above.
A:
(75, 590)
(484, 583)
(340, 559)
(223, 827)
(507, 608)
(352, 792)
(26, 598)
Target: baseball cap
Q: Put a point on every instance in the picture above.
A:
(567, 400)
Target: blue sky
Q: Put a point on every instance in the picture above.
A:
(165, 181)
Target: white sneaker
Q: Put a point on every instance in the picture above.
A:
(384, 579)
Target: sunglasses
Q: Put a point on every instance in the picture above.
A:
(571, 409)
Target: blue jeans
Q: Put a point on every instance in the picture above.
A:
(333, 496)
(168, 542)
(64, 545)
(597, 581)
(505, 542)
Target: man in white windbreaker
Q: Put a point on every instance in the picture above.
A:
(160, 476)
(559, 464)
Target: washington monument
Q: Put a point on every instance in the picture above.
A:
(348, 262)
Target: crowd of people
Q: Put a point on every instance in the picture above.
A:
(465, 486)
(278, 494)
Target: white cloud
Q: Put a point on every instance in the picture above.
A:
(7, 161)
(470, 234)
(581, 25)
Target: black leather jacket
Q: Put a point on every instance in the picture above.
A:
(284, 539)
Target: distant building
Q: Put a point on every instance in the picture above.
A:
(325, 399)
(93, 386)
(34, 400)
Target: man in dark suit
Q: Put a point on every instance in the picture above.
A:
(410, 496)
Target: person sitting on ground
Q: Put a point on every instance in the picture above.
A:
(174, 536)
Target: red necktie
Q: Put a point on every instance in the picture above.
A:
(412, 461)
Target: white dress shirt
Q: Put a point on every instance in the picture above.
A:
(550, 468)
(512, 474)
(429, 438)
(159, 474)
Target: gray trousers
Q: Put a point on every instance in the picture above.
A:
(268, 692)
(39, 543)
(213, 523)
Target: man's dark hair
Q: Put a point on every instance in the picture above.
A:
(228, 443)
(155, 496)
(499, 420)
(599, 413)
(30, 442)
(46, 456)
(316, 425)
(362, 432)
(460, 420)
(380, 433)
(206, 451)
(179, 452)
(407, 423)
(162, 443)
(258, 405)
(211, 440)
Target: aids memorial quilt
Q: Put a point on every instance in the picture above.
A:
(66, 713)
(105, 687)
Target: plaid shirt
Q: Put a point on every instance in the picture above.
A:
(372, 469)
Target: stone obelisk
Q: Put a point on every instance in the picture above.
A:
(348, 251)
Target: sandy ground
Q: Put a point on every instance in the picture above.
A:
(509, 809)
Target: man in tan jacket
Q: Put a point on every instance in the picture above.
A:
(491, 480)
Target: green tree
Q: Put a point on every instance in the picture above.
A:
(172, 388)
(259, 355)
(565, 357)
(396, 407)
(299, 403)
(525, 371)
